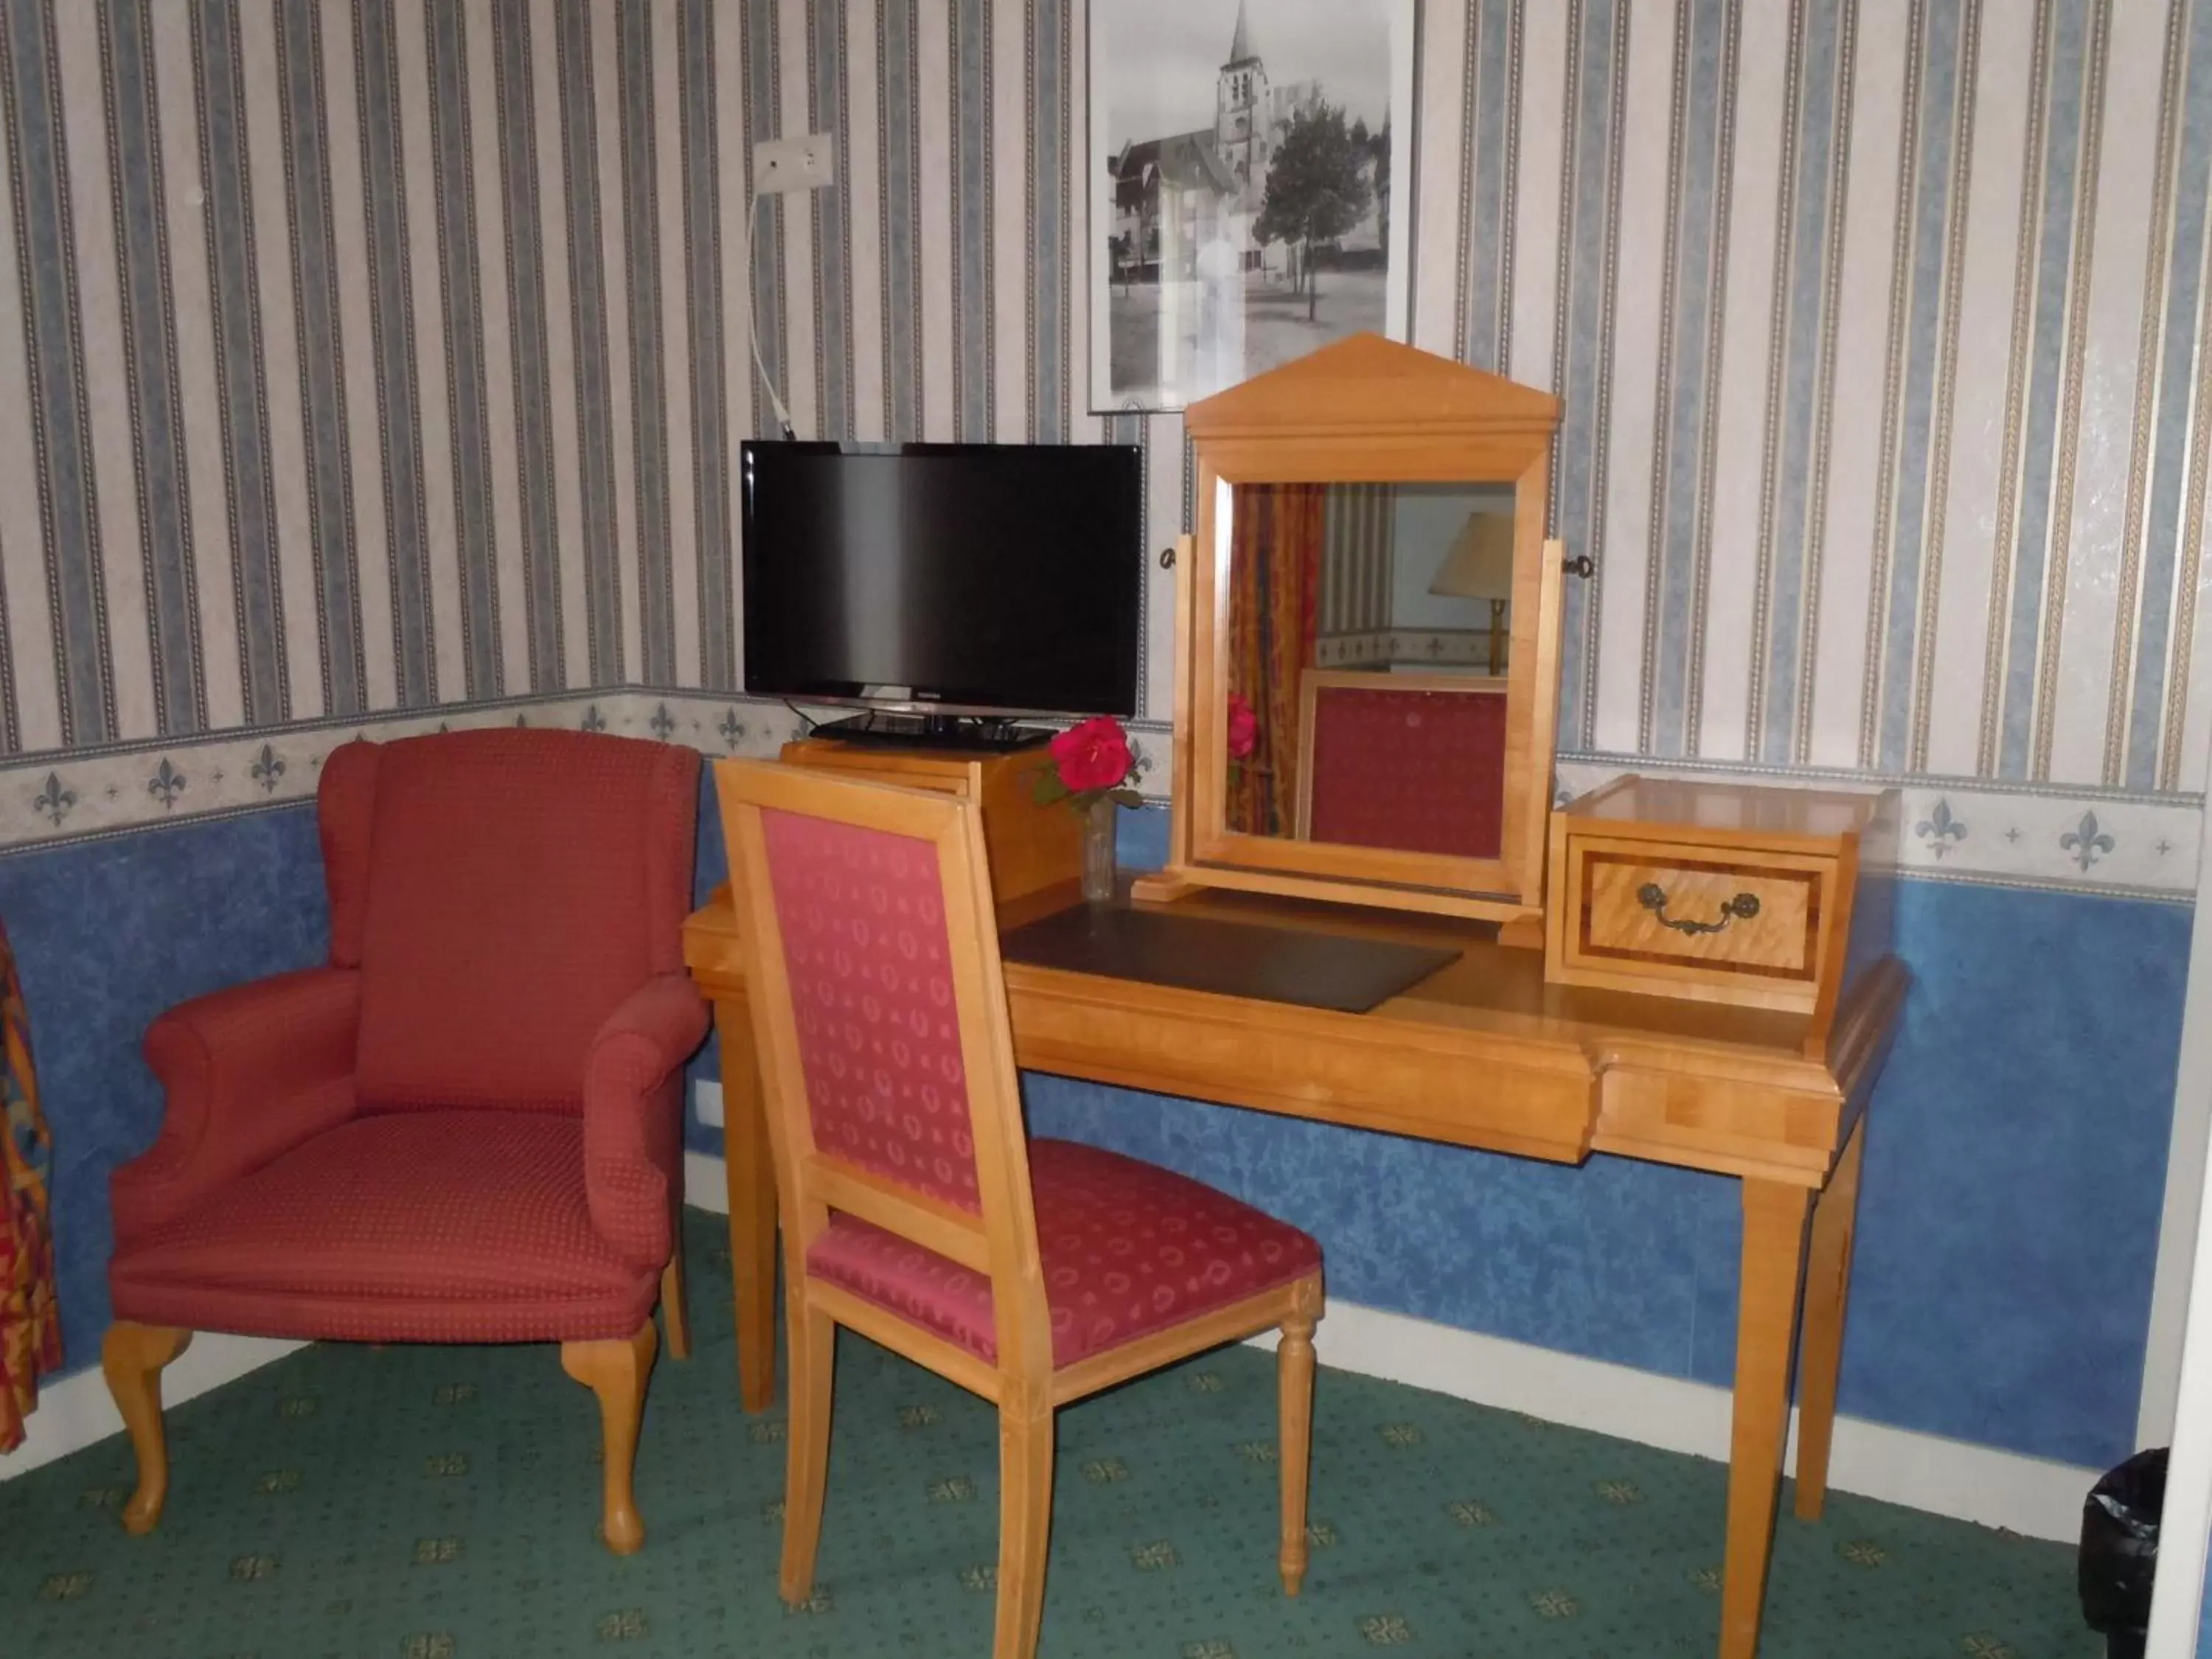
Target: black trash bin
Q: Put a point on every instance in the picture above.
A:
(2119, 1552)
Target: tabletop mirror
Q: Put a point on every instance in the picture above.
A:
(1366, 640)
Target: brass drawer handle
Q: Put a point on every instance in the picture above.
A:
(1653, 898)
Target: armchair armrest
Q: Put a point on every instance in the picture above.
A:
(250, 1073)
(633, 1118)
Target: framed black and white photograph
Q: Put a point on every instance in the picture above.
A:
(1250, 187)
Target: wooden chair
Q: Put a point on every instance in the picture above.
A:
(914, 1208)
(1415, 762)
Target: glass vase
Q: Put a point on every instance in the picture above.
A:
(1099, 820)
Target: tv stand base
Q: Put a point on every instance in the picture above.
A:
(977, 733)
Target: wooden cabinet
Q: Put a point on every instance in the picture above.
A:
(1031, 847)
(1763, 897)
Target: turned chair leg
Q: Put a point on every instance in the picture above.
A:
(1294, 1375)
(675, 1311)
(1024, 1524)
(813, 1342)
(132, 1357)
(615, 1369)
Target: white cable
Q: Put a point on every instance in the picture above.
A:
(752, 317)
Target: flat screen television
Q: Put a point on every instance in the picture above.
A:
(953, 579)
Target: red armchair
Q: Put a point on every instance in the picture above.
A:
(465, 1127)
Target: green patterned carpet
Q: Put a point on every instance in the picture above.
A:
(439, 1504)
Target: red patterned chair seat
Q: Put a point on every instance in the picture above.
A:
(1127, 1248)
(438, 1226)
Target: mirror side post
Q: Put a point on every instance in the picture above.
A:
(1526, 931)
(1166, 886)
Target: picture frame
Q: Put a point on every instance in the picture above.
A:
(1251, 188)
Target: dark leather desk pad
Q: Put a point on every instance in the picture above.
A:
(1229, 958)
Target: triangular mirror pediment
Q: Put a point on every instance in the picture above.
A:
(1366, 378)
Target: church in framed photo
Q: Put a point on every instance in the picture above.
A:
(1174, 196)
(1236, 231)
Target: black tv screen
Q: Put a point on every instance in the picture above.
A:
(986, 578)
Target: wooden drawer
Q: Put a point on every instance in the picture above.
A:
(1723, 893)
(1721, 914)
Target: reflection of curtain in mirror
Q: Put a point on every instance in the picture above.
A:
(1275, 565)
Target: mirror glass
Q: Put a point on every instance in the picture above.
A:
(1368, 631)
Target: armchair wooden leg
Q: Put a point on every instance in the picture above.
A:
(1294, 1375)
(675, 1311)
(615, 1369)
(814, 1365)
(132, 1357)
(1024, 1523)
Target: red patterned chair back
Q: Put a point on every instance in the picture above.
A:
(502, 892)
(862, 916)
(872, 964)
(1416, 763)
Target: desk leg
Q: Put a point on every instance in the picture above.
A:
(1774, 1216)
(752, 1205)
(1827, 1283)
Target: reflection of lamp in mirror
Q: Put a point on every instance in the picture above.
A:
(1479, 566)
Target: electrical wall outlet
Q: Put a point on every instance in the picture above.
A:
(784, 164)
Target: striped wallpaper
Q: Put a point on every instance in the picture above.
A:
(364, 356)
(361, 356)
(1355, 561)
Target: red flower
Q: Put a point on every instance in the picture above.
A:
(1243, 727)
(1093, 756)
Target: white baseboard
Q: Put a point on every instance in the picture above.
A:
(2030, 1495)
(706, 1183)
(1956, 1478)
(78, 1411)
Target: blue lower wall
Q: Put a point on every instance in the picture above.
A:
(2008, 1222)
(107, 935)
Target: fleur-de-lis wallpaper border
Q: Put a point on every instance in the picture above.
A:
(128, 787)
(2084, 841)
(1941, 828)
(2142, 846)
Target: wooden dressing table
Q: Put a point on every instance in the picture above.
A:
(1485, 1053)
(1695, 974)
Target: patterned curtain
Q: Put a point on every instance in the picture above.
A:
(1274, 576)
(30, 1323)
